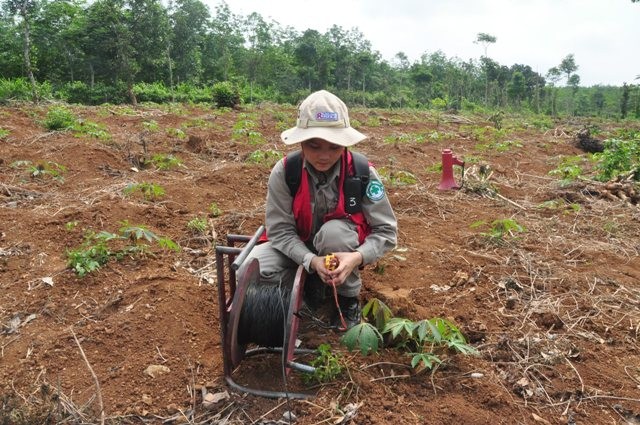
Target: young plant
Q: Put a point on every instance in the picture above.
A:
(92, 254)
(569, 169)
(4, 133)
(41, 169)
(328, 366)
(214, 210)
(197, 225)
(149, 191)
(136, 233)
(268, 157)
(500, 230)
(98, 249)
(165, 162)
(419, 339)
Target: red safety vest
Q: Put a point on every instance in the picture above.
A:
(302, 204)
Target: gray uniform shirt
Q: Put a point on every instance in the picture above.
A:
(323, 188)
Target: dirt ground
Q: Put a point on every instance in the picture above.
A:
(553, 312)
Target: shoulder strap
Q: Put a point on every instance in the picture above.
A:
(293, 171)
(361, 168)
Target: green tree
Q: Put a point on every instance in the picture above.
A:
(150, 37)
(554, 75)
(189, 21)
(516, 87)
(484, 40)
(624, 102)
(57, 35)
(26, 10)
(224, 44)
(10, 53)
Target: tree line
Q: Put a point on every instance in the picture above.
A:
(135, 50)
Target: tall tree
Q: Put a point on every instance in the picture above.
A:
(190, 21)
(224, 44)
(26, 9)
(150, 32)
(11, 62)
(554, 75)
(57, 35)
(485, 39)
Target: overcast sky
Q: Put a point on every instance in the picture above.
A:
(603, 35)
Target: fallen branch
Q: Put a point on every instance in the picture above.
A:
(93, 375)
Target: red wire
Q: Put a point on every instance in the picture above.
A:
(335, 297)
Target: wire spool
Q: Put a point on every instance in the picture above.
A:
(264, 314)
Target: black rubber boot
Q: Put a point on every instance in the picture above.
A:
(351, 312)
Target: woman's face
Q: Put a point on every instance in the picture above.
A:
(321, 154)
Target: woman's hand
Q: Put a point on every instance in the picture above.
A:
(347, 262)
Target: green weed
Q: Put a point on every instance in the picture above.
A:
(176, 132)
(197, 225)
(618, 158)
(397, 178)
(59, 118)
(149, 191)
(214, 210)
(98, 249)
(42, 169)
(268, 157)
(328, 366)
(165, 162)
(4, 133)
(500, 230)
(151, 125)
(569, 169)
(559, 204)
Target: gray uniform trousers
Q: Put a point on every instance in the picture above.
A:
(333, 236)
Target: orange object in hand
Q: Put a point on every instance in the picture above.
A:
(331, 262)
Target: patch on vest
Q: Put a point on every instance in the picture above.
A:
(375, 190)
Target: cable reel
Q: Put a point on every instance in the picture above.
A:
(247, 301)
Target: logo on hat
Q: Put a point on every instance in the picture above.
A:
(327, 116)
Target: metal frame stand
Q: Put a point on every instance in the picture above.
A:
(231, 295)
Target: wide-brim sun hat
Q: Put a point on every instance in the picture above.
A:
(324, 116)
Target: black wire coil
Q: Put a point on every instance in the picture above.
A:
(264, 314)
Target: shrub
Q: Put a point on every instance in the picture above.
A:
(226, 94)
(59, 118)
(100, 93)
(152, 92)
(619, 157)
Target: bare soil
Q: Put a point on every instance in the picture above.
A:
(554, 312)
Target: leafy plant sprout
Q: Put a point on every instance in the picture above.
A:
(421, 340)
(500, 230)
(149, 191)
(268, 157)
(98, 249)
(214, 210)
(197, 225)
(328, 366)
(41, 169)
(165, 162)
